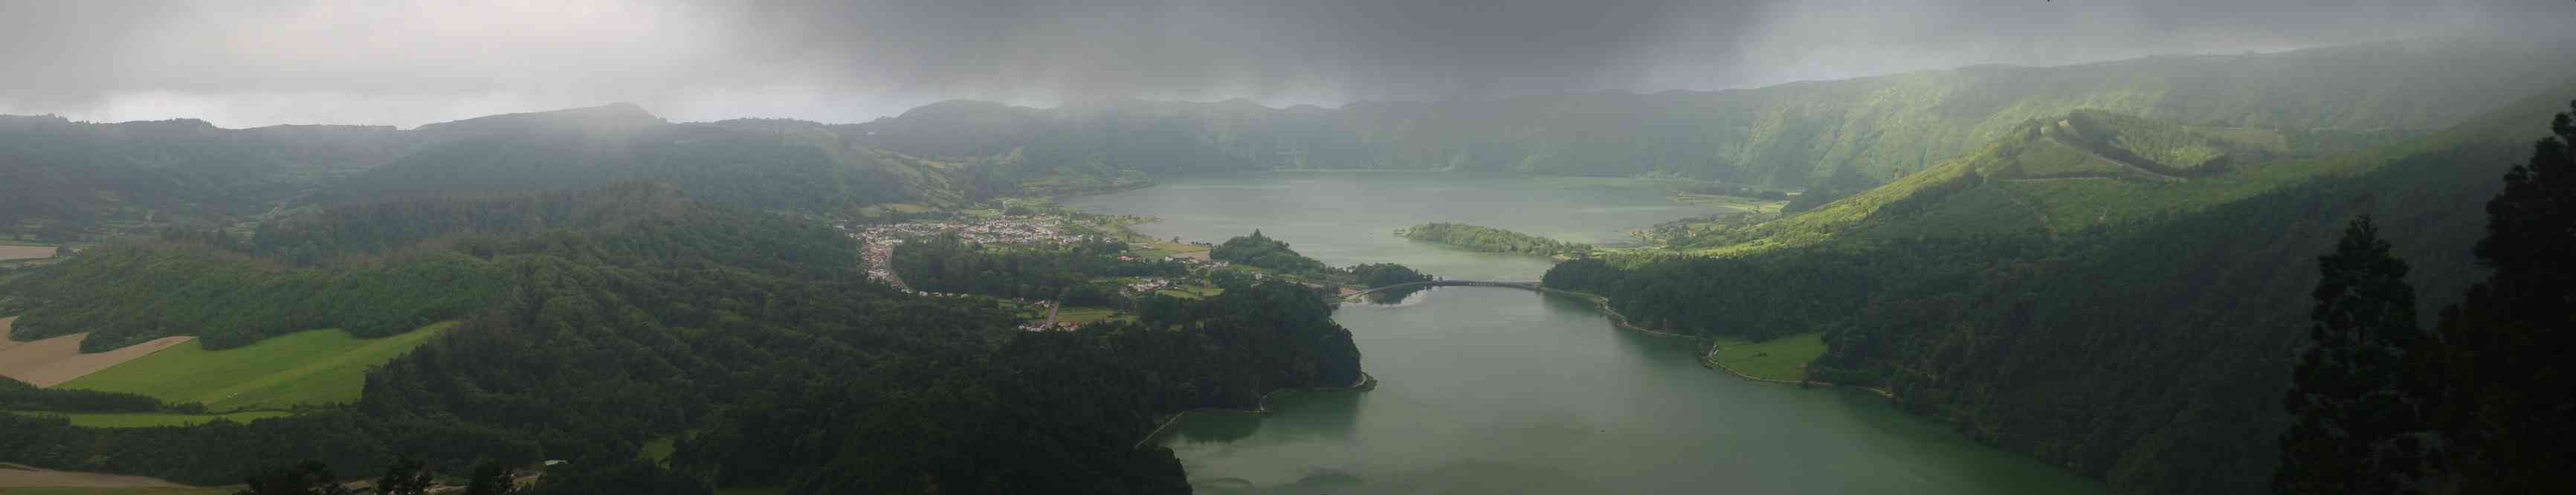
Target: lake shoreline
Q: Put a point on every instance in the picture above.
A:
(1708, 358)
(1260, 407)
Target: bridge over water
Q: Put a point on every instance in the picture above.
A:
(1446, 283)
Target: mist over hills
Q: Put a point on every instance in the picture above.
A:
(1784, 136)
(1787, 136)
(2098, 265)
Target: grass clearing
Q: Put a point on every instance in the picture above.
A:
(1087, 315)
(146, 420)
(1782, 358)
(1191, 291)
(309, 367)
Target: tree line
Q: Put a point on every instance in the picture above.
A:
(1492, 240)
(2481, 403)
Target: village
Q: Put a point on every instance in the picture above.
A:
(1031, 230)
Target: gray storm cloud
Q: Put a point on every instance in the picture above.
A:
(406, 63)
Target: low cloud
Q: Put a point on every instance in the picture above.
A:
(407, 63)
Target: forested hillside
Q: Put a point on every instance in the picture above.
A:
(75, 181)
(65, 180)
(2063, 174)
(779, 166)
(2148, 346)
(635, 312)
(1786, 135)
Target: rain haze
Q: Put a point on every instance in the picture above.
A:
(242, 64)
(1287, 247)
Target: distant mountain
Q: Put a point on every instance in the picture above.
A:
(1784, 135)
(72, 180)
(784, 165)
(59, 176)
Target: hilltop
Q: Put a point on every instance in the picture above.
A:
(2056, 175)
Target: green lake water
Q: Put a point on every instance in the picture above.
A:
(1494, 390)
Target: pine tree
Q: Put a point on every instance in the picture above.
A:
(307, 478)
(2507, 386)
(2358, 430)
(491, 478)
(406, 476)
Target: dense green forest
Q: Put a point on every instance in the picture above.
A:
(948, 264)
(770, 167)
(1263, 251)
(2477, 405)
(2149, 349)
(1492, 240)
(62, 180)
(67, 181)
(1374, 275)
(136, 291)
(20, 396)
(657, 315)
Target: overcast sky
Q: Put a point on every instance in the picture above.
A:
(244, 63)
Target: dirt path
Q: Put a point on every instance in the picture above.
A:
(25, 252)
(52, 361)
(12, 475)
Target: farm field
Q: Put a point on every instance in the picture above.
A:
(145, 420)
(1782, 358)
(10, 252)
(310, 367)
(52, 361)
(1191, 291)
(1079, 315)
(22, 480)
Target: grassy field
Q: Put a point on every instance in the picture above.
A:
(659, 449)
(311, 367)
(144, 420)
(1084, 316)
(1783, 358)
(1191, 291)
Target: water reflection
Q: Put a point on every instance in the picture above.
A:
(1496, 390)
